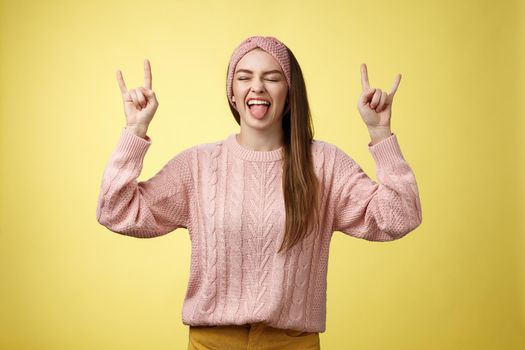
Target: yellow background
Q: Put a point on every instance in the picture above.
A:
(456, 282)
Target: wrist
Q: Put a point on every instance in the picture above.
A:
(379, 133)
(139, 130)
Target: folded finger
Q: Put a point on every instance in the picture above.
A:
(375, 98)
(141, 98)
(133, 94)
(382, 101)
(367, 96)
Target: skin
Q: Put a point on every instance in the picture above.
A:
(265, 134)
(375, 107)
(140, 104)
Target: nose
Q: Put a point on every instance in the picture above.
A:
(257, 85)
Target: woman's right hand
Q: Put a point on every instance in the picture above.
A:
(141, 103)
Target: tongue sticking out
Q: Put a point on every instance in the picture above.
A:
(258, 111)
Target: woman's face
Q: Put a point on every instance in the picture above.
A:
(259, 75)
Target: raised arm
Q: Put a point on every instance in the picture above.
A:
(374, 211)
(149, 208)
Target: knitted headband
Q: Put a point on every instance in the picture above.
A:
(269, 44)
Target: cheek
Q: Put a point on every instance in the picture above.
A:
(238, 91)
(283, 92)
(235, 86)
(282, 96)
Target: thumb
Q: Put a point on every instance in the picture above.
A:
(148, 93)
(367, 96)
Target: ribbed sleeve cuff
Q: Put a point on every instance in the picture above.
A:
(131, 146)
(386, 152)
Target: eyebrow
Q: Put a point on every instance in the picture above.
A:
(264, 73)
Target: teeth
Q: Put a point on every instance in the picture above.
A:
(258, 102)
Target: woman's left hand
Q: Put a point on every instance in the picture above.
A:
(374, 105)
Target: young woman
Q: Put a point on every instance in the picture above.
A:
(260, 205)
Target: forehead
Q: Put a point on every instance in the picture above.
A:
(258, 59)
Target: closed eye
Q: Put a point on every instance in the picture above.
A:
(266, 79)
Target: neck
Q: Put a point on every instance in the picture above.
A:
(260, 140)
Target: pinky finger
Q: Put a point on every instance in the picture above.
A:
(395, 85)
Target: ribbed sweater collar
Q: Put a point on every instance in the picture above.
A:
(247, 154)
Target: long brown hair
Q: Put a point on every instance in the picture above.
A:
(300, 184)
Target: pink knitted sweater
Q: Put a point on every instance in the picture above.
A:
(230, 200)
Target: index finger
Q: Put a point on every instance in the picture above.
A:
(147, 74)
(364, 77)
(121, 82)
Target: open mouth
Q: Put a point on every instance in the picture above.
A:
(258, 109)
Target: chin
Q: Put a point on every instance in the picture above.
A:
(257, 124)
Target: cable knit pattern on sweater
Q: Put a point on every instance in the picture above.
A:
(230, 200)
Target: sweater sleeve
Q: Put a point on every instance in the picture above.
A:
(143, 209)
(374, 211)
